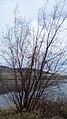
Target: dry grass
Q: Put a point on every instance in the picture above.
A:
(13, 114)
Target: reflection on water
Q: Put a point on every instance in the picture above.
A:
(4, 101)
(62, 89)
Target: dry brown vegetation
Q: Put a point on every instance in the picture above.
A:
(45, 110)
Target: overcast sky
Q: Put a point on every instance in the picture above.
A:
(28, 8)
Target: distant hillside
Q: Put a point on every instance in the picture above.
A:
(5, 68)
(8, 69)
(8, 73)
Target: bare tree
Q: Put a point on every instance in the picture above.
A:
(36, 55)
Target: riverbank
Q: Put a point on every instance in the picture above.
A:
(37, 114)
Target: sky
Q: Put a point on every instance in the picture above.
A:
(28, 9)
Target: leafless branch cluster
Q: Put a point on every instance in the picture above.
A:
(36, 54)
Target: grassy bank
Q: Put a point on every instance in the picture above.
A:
(44, 110)
(9, 114)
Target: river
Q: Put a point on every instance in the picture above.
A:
(54, 91)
